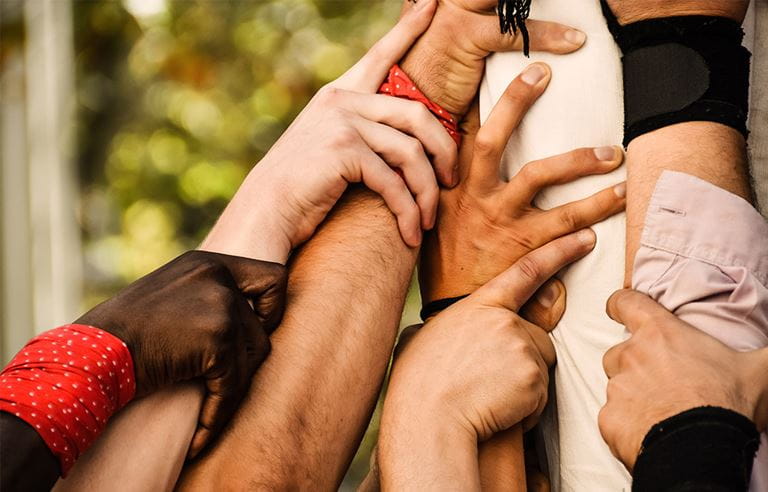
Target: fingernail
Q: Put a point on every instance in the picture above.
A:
(607, 153)
(455, 176)
(587, 237)
(533, 74)
(575, 36)
(620, 189)
(550, 294)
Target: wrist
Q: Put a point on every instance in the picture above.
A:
(443, 89)
(252, 226)
(420, 446)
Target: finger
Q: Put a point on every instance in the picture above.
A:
(544, 36)
(577, 215)
(412, 118)
(262, 282)
(368, 73)
(406, 154)
(469, 127)
(513, 287)
(223, 394)
(506, 115)
(547, 306)
(543, 343)
(634, 310)
(560, 169)
(253, 338)
(612, 357)
(377, 176)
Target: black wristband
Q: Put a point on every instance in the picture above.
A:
(431, 308)
(702, 449)
(678, 69)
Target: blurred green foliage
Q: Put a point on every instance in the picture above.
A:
(177, 100)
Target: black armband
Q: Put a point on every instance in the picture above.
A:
(678, 69)
(703, 449)
(432, 308)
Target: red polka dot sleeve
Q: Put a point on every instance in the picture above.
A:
(398, 84)
(67, 383)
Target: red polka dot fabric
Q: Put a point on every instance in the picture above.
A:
(67, 383)
(398, 84)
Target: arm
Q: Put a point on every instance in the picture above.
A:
(310, 402)
(28, 464)
(710, 151)
(691, 142)
(61, 389)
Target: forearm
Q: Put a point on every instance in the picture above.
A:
(310, 402)
(417, 452)
(710, 151)
(27, 463)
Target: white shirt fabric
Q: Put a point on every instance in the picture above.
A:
(583, 107)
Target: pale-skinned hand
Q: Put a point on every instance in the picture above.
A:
(346, 134)
(474, 370)
(668, 367)
(486, 224)
(448, 61)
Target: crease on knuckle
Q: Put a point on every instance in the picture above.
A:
(414, 150)
(570, 218)
(529, 269)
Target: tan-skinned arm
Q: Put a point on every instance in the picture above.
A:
(310, 403)
(709, 151)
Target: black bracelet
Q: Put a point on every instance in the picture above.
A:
(705, 448)
(432, 308)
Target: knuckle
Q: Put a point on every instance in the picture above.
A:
(529, 269)
(421, 114)
(329, 95)
(344, 137)
(604, 420)
(484, 146)
(530, 174)
(570, 218)
(414, 149)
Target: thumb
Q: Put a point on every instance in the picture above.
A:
(263, 283)
(512, 288)
(544, 36)
(547, 306)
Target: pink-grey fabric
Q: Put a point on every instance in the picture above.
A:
(704, 257)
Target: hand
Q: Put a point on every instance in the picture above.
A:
(474, 370)
(667, 367)
(447, 62)
(346, 134)
(201, 315)
(485, 224)
(629, 11)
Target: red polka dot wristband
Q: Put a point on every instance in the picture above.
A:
(67, 383)
(398, 84)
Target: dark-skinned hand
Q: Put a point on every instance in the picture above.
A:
(203, 315)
